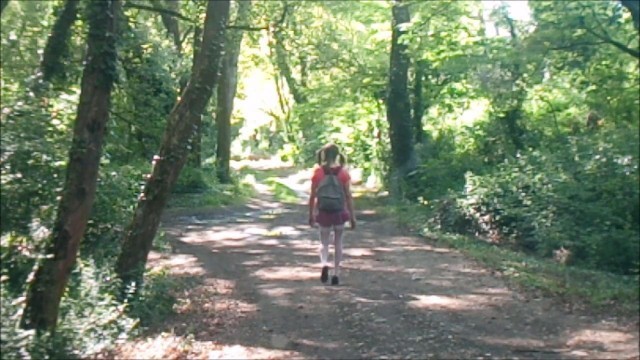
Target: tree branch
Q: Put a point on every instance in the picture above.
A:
(633, 52)
(182, 17)
(171, 23)
(248, 27)
(280, 21)
(608, 38)
(158, 10)
(574, 45)
(185, 34)
(264, 27)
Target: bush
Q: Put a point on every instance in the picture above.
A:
(194, 180)
(442, 170)
(90, 316)
(15, 342)
(156, 299)
(583, 197)
(90, 320)
(116, 198)
(32, 163)
(18, 255)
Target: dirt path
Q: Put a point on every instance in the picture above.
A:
(259, 296)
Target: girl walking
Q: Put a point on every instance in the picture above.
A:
(331, 205)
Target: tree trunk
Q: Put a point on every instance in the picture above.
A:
(3, 4)
(513, 114)
(303, 70)
(197, 41)
(52, 274)
(57, 48)
(171, 23)
(181, 127)
(226, 92)
(285, 69)
(514, 131)
(634, 7)
(195, 157)
(398, 104)
(418, 101)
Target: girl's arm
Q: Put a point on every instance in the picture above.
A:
(352, 213)
(312, 201)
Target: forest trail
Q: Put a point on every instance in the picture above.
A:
(257, 295)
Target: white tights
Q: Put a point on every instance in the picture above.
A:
(325, 232)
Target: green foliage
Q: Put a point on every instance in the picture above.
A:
(443, 168)
(581, 55)
(16, 343)
(24, 31)
(524, 171)
(90, 320)
(582, 196)
(194, 180)
(339, 61)
(36, 123)
(116, 198)
(599, 290)
(157, 298)
(91, 317)
(32, 174)
(33, 159)
(199, 187)
(143, 99)
(348, 123)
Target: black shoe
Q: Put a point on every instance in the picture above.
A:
(325, 274)
(334, 280)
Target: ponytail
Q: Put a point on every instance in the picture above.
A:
(342, 159)
(321, 157)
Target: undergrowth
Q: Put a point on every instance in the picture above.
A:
(199, 188)
(92, 319)
(598, 291)
(281, 191)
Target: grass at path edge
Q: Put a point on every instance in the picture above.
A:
(595, 291)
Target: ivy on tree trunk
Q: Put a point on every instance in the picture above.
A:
(285, 68)
(171, 22)
(195, 157)
(52, 274)
(181, 127)
(512, 116)
(398, 103)
(418, 101)
(3, 4)
(57, 48)
(226, 92)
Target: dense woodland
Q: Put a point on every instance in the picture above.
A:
(518, 131)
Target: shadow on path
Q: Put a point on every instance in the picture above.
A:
(258, 295)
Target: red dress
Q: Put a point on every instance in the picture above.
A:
(326, 219)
